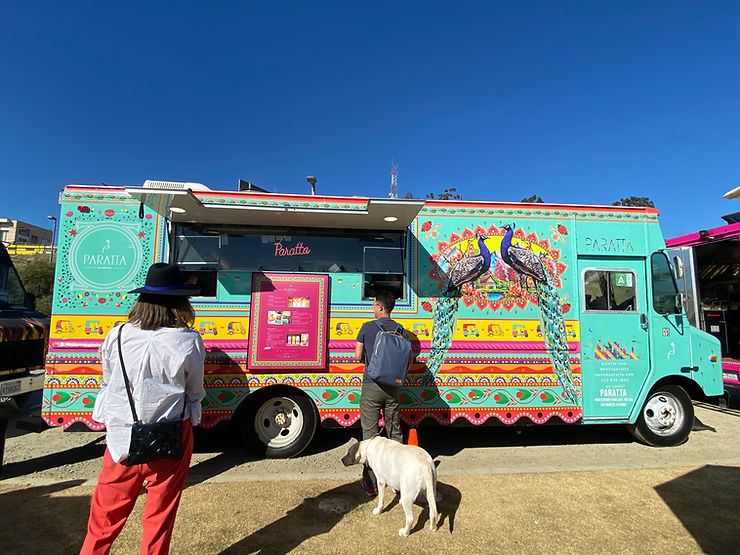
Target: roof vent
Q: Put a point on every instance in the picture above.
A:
(174, 185)
(732, 218)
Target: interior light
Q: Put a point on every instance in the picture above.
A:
(390, 219)
(177, 210)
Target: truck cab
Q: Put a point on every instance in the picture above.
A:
(23, 335)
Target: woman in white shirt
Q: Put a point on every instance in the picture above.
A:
(164, 359)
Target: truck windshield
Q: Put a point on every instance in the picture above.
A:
(12, 294)
(664, 286)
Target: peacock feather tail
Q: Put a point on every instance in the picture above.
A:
(443, 328)
(554, 334)
(466, 270)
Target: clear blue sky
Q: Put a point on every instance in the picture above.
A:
(579, 102)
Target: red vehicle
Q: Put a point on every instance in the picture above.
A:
(711, 265)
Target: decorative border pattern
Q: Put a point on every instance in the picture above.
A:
(564, 213)
(321, 300)
(278, 201)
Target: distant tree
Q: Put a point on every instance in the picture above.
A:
(533, 198)
(634, 201)
(37, 275)
(448, 194)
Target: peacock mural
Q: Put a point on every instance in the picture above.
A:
(459, 270)
(467, 269)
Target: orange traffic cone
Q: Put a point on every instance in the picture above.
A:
(413, 440)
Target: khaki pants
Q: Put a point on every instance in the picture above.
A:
(374, 399)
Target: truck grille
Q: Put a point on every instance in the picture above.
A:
(19, 355)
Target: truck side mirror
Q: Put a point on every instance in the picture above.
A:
(677, 267)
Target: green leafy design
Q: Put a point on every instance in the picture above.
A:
(66, 399)
(547, 397)
(332, 397)
(221, 398)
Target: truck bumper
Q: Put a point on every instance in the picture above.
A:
(17, 386)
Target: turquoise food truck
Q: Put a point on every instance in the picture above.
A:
(518, 313)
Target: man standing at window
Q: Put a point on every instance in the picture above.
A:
(376, 397)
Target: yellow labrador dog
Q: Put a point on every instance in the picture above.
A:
(406, 469)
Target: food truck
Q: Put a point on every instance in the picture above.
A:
(711, 287)
(297, 271)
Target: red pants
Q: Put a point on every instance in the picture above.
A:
(115, 496)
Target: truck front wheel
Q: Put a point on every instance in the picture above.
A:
(666, 417)
(279, 423)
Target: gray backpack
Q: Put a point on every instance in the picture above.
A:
(390, 360)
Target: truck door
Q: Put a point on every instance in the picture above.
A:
(686, 283)
(614, 335)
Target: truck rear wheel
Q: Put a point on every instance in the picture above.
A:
(19, 400)
(666, 417)
(279, 423)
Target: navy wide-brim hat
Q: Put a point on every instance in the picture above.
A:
(166, 279)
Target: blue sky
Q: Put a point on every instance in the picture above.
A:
(579, 102)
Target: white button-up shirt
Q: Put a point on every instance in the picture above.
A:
(165, 369)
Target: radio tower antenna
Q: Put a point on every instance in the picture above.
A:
(394, 180)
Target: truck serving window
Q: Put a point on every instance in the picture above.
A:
(203, 249)
(610, 290)
(382, 268)
(664, 286)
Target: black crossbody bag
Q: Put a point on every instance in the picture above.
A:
(153, 441)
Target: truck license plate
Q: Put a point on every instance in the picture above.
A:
(730, 376)
(10, 388)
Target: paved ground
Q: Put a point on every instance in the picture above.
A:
(540, 490)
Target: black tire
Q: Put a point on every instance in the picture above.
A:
(19, 400)
(3, 431)
(22, 399)
(278, 423)
(666, 418)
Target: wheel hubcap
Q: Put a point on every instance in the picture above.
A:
(281, 419)
(663, 414)
(278, 422)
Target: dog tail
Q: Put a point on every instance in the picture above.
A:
(430, 477)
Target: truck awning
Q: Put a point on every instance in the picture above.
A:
(215, 207)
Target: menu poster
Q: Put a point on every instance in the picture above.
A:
(288, 321)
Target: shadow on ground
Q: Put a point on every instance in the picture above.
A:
(729, 403)
(92, 450)
(451, 440)
(43, 523)
(301, 523)
(437, 440)
(703, 500)
(225, 441)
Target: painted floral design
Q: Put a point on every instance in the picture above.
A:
(501, 286)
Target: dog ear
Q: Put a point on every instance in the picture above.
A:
(362, 452)
(352, 456)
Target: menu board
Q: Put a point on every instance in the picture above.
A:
(288, 321)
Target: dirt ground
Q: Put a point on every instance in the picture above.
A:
(53, 455)
(629, 511)
(539, 490)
